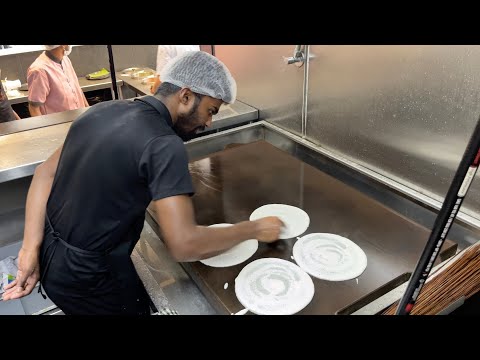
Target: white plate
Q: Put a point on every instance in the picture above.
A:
(295, 219)
(233, 256)
(272, 286)
(329, 257)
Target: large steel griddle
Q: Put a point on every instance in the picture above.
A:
(232, 183)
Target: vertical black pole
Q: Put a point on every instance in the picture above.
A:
(112, 71)
(453, 200)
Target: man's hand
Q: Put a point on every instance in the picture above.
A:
(27, 276)
(268, 229)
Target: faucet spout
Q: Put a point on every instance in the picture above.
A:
(298, 56)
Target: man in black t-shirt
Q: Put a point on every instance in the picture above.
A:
(86, 203)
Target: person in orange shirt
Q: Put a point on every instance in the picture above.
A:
(53, 84)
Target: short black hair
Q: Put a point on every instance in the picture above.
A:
(166, 89)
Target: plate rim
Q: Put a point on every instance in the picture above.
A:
(289, 206)
(307, 276)
(350, 242)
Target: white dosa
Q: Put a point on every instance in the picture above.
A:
(233, 256)
(329, 257)
(295, 219)
(272, 286)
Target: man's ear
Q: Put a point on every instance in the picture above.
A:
(185, 95)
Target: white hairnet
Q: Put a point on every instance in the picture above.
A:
(202, 73)
(51, 47)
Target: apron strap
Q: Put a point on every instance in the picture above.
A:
(56, 238)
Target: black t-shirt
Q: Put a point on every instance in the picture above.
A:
(117, 157)
(6, 111)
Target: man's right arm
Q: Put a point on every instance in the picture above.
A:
(37, 197)
(188, 241)
(28, 258)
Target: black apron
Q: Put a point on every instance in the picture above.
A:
(80, 281)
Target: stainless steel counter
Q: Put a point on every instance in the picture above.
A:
(36, 122)
(90, 85)
(165, 280)
(22, 151)
(85, 84)
(134, 84)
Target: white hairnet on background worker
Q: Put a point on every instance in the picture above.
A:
(51, 47)
(202, 73)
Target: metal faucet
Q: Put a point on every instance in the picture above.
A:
(298, 56)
